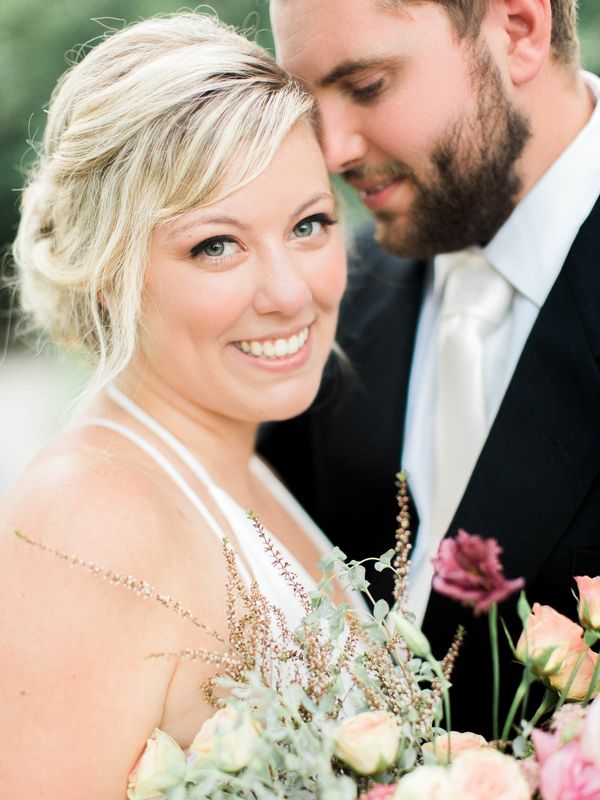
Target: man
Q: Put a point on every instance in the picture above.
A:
(472, 136)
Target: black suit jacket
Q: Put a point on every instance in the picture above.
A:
(535, 487)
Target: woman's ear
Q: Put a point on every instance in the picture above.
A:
(526, 31)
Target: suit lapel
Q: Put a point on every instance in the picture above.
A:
(542, 453)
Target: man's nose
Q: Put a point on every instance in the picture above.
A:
(283, 288)
(344, 145)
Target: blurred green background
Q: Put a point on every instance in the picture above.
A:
(38, 38)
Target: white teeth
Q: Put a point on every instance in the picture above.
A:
(379, 187)
(277, 348)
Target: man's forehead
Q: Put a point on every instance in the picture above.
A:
(324, 42)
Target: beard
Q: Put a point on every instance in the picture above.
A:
(472, 185)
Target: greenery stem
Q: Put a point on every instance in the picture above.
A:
(593, 683)
(493, 626)
(519, 695)
(565, 692)
(435, 665)
(546, 705)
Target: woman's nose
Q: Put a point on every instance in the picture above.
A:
(283, 288)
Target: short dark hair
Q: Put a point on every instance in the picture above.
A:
(467, 16)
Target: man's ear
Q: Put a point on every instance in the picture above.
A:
(524, 28)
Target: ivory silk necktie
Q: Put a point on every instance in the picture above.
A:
(476, 299)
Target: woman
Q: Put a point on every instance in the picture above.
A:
(179, 227)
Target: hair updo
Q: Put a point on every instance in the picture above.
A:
(142, 130)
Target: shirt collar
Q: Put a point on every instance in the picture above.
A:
(532, 245)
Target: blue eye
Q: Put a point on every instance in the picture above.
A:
(310, 226)
(215, 247)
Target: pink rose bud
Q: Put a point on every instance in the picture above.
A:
(459, 743)
(486, 774)
(160, 767)
(368, 742)
(589, 602)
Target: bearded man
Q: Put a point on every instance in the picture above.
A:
(472, 321)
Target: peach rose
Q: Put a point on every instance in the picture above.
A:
(486, 774)
(589, 601)
(582, 679)
(426, 783)
(459, 743)
(227, 740)
(549, 639)
(368, 742)
(160, 767)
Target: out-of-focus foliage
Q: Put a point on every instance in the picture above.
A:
(39, 38)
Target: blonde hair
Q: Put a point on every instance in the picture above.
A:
(143, 129)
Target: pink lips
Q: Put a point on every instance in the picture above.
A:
(377, 200)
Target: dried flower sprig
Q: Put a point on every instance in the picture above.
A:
(138, 586)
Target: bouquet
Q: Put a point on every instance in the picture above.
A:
(351, 703)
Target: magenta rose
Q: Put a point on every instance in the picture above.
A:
(468, 569)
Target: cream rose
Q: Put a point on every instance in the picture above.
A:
(546, 630)
(426, 783)
(459, 743)
(368, 742)
(161, 766)
(486, 774)
(589, 601)
(227, 740)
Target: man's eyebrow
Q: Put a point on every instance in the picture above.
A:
(350, 67)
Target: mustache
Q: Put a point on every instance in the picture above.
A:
(389, 171)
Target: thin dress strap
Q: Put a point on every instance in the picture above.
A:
(170, 470)
(117, 396)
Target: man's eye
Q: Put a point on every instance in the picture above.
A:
(215, 247)
(312, 225)
(368, 92)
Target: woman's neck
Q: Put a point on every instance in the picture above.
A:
(224, 445)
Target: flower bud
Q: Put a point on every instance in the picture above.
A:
(589, 602)
(227, 740)
(161, 766)
(415, 639)
(368, 742)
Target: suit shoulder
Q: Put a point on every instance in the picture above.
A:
(370, 262)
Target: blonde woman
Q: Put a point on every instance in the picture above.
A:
(180, 228)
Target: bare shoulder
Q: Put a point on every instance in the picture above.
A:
(92, 497)
(74, 649)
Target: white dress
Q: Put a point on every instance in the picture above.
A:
(256, 557)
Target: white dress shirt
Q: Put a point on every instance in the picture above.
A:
(529, 251)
